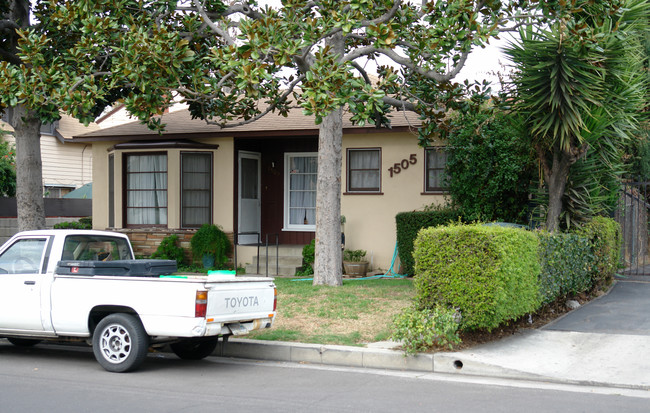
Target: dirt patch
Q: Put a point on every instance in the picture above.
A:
(368, 325)
(536, 320)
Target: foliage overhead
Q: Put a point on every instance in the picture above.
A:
(235, 62)
(230, 61)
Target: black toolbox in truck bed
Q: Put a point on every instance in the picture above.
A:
(125, 268)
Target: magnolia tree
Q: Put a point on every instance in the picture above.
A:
(236, 63)
(25, 119)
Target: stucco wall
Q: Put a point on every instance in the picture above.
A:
(370, 219)
(222, 178)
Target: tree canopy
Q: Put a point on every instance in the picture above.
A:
(235, 63)
(581, 87)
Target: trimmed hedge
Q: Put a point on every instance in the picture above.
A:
(488, 273)
(565, 260)
(604, 235)
(409, 223)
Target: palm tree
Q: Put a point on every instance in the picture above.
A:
(579, 88)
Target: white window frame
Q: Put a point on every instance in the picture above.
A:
(287, 226)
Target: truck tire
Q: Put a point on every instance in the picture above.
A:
(195, 348)
(23, 342)
(120, 342)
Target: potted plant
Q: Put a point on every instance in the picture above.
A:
(211, 245)
(354, 263)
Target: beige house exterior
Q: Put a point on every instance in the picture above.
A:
(259, 178)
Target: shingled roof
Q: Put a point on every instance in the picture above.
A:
(180, 124)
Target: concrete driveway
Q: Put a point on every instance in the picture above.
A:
(605, 342)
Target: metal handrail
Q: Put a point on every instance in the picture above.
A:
(277, 255)
(259, 242)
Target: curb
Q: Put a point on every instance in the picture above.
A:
(324, 354)
(457, 364)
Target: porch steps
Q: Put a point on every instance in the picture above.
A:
(289, 257)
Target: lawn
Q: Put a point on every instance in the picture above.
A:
(359, 312)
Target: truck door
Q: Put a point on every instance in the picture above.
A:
(21, 280)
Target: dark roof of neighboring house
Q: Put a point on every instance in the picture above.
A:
(180, 124)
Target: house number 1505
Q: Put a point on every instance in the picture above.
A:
(400, 166)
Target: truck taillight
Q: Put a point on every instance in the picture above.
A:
(275, 298)
(201, 304)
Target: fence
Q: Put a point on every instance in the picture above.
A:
(56, 210)
(632, 215)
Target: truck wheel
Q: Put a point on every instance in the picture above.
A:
(23, 342)
(195, 349)
(120, 342)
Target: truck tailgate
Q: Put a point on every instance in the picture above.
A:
(242, 300)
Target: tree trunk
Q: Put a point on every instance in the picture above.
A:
(556, 178)
(328, 256)
(29, 169)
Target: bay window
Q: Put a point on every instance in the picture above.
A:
(146, 189)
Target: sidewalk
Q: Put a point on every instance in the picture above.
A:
(606, 342)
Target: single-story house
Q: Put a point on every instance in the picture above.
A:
(259, 178)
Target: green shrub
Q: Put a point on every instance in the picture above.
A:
(211, 240)
(7, 168)
(421, 329)
(169, 250)
(490, 165)
(604, 235)
(565, 261)
(409, 223)
(354, 255)
(308, 256)
(83, 223)
(488, 273)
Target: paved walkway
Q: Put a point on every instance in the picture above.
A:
(605, 342)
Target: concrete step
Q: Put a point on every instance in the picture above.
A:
(286, 259)
(283, 251)
(281, 270)
(282, 260)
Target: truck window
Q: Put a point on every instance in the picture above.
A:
(95, 248)
(23, 257)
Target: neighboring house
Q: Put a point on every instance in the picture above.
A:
(67, 165)
(258, 178)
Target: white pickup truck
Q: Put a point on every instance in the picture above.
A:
(85, 285)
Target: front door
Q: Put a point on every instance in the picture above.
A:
(250, 203)
(21, 281)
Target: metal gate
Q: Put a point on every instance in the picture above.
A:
(632, 215)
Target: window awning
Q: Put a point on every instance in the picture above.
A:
(178, 143)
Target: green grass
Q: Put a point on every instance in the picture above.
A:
(358, 312)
